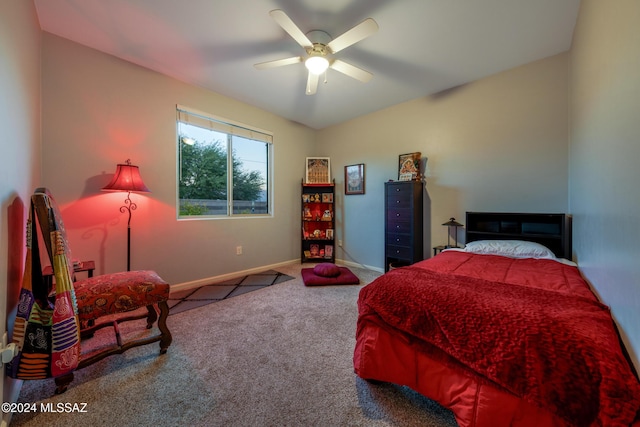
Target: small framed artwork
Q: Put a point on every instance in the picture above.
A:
(329, 233)
(328, 251)
(318, 170)
(409, 167)
(314, 250)
(354, 179)
(327, 197)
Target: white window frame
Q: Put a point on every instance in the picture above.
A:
(208, 121)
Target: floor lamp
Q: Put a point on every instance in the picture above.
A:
(127, 178)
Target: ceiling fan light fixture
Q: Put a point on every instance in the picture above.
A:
(317, 64)
(318, 44)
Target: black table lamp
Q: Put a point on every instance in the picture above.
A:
(455, 224)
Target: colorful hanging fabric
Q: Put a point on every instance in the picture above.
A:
(46, 331)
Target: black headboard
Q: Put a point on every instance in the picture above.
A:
(550, 230)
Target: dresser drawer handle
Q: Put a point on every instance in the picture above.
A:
(397, 226)
(397, 202)
(398, 215)
(397, 251)
(397, 189)
(398, 240)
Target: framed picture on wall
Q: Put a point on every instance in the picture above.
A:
(409, 167)
(354, 179)
(318, 170)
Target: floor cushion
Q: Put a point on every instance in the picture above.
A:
(311, 277)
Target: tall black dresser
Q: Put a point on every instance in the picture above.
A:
(403, 223)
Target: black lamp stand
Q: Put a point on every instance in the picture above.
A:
(128, 207)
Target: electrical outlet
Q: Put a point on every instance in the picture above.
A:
(340, 243)
(238, 250)
(8, 350)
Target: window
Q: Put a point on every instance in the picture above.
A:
(223, 167)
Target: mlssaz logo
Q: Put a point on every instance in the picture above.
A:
(65, 407)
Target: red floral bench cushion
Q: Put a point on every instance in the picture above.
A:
(119, 292)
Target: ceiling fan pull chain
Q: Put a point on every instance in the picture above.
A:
(325, 76)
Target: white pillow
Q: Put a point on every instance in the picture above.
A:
(510, 248)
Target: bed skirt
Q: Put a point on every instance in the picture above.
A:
(384, 355)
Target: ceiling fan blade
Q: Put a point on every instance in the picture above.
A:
(278, 63)
(312, 84)
(351, 71)
(287, 24)
(354, 35)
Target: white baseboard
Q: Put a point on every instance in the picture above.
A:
(215, 279)
(14, 393)
(355, 264)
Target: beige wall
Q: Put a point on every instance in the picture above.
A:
(19, 149)
(605, 151)
(99, 111)
(497, 144)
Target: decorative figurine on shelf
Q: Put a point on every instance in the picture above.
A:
(307, 213)
(317, 197)
(326, 216)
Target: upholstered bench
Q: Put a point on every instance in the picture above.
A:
(104, 301)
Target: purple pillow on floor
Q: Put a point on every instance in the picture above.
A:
(326, 269)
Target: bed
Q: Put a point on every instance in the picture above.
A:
(505, 332)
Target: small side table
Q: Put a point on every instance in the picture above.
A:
(88, 266)
(438, 249)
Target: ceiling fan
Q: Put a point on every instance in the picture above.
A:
(320, 47)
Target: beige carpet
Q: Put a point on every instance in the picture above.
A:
(278, 356)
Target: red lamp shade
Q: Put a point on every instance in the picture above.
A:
(127, 178)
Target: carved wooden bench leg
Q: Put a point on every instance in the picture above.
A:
(165, 339)
(62, 382)
(152, 317)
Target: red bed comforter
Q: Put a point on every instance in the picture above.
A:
(530, 327)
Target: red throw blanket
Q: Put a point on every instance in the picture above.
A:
(553, 349)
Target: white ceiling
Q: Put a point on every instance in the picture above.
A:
(422, 47)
